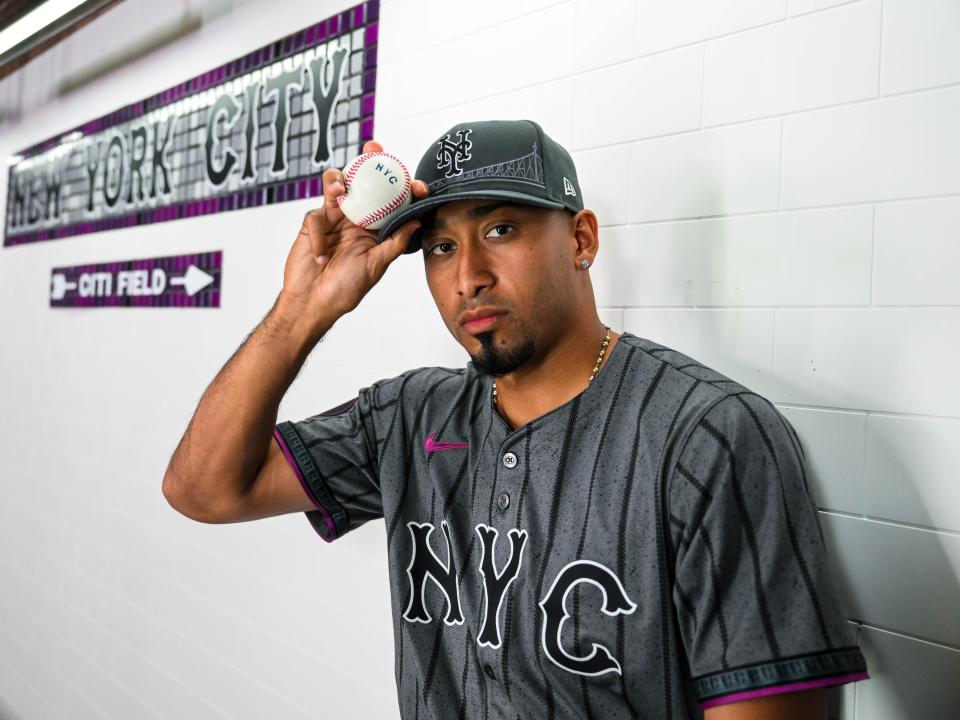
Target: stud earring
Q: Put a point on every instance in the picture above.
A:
(584, 264)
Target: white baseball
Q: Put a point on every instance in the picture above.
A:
(377, 186)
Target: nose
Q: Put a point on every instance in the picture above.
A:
(473, 271)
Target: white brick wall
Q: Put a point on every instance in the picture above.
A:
(778, 185)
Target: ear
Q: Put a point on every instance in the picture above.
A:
(586, 235)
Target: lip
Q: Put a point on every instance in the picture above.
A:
(480, 319)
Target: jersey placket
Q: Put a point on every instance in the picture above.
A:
(500, 533)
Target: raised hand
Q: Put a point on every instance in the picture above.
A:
(334, 263)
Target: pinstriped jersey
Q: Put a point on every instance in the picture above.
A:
(646, 550)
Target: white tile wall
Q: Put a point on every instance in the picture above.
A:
(917, 257)
(905, 146)
(919, 44)
(433, 22)
(604, 175)
(814, 61)
(664, 25)
(896, 577)
(660, 95)
(911, 470)
(898, 360)
(807, 258)
(801, 7)
(778, 188)
(833, 443)
(478, 65)
(604, 32)
(911, 679)
(717, 172)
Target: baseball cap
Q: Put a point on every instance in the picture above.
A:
(493, 159)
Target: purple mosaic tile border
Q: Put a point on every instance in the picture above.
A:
(174, 267)
(255, 197)
(364, 15)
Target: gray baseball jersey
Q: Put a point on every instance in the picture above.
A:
(646, 550)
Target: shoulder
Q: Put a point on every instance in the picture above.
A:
(700, 399)
(417, 385)
(678, 369)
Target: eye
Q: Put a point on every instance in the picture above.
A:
(441, 248)
(501, 230)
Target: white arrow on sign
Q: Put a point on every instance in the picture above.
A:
(193, 281)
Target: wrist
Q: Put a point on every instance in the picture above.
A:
(299, 319)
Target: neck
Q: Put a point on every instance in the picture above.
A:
(555, 377)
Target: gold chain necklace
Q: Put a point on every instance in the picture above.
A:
(596, 367)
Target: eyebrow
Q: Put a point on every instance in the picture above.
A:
(474, 213)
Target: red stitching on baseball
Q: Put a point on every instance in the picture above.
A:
(381, 212)
(351, 171)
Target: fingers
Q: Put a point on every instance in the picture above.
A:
(372, 146)
(333, 186)
(419, 188)
(312, 224)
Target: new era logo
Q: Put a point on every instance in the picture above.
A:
(432, 445)
(568, 188)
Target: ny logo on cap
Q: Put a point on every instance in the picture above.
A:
(451, 154)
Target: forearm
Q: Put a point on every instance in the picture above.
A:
(225, 442)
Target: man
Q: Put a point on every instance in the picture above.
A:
(580, 523)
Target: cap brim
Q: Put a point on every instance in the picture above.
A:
(426, 204)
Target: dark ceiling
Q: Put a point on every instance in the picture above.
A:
(13, 10)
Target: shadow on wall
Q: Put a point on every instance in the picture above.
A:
(878, 578)
(869, 586)
(6, 713)
(897, 688)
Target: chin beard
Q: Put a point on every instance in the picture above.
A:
(498, 360)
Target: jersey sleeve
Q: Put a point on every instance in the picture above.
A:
(334, 455)
(755, 601)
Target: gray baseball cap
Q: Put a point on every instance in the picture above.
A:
(493, 159)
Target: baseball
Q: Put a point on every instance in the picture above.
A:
(377, 185)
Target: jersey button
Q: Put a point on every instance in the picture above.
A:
(489, 671)
(510, 460)
(503, 502)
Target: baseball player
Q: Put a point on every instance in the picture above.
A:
(580, 523)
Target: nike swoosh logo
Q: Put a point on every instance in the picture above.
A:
(431, 445)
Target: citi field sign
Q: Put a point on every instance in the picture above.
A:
(258, 130)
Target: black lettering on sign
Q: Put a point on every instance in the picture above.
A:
(224, 105)
(281, 85)
(93, 164)
(325, 92)
(118, 142)
(137, 132)
(251, 100)
(159, 159)
(20, 184)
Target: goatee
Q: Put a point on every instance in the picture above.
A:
(498, 360)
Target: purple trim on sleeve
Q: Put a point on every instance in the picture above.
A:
(789, 687)
(306, 488)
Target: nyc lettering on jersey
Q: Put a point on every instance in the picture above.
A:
(424, 565)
